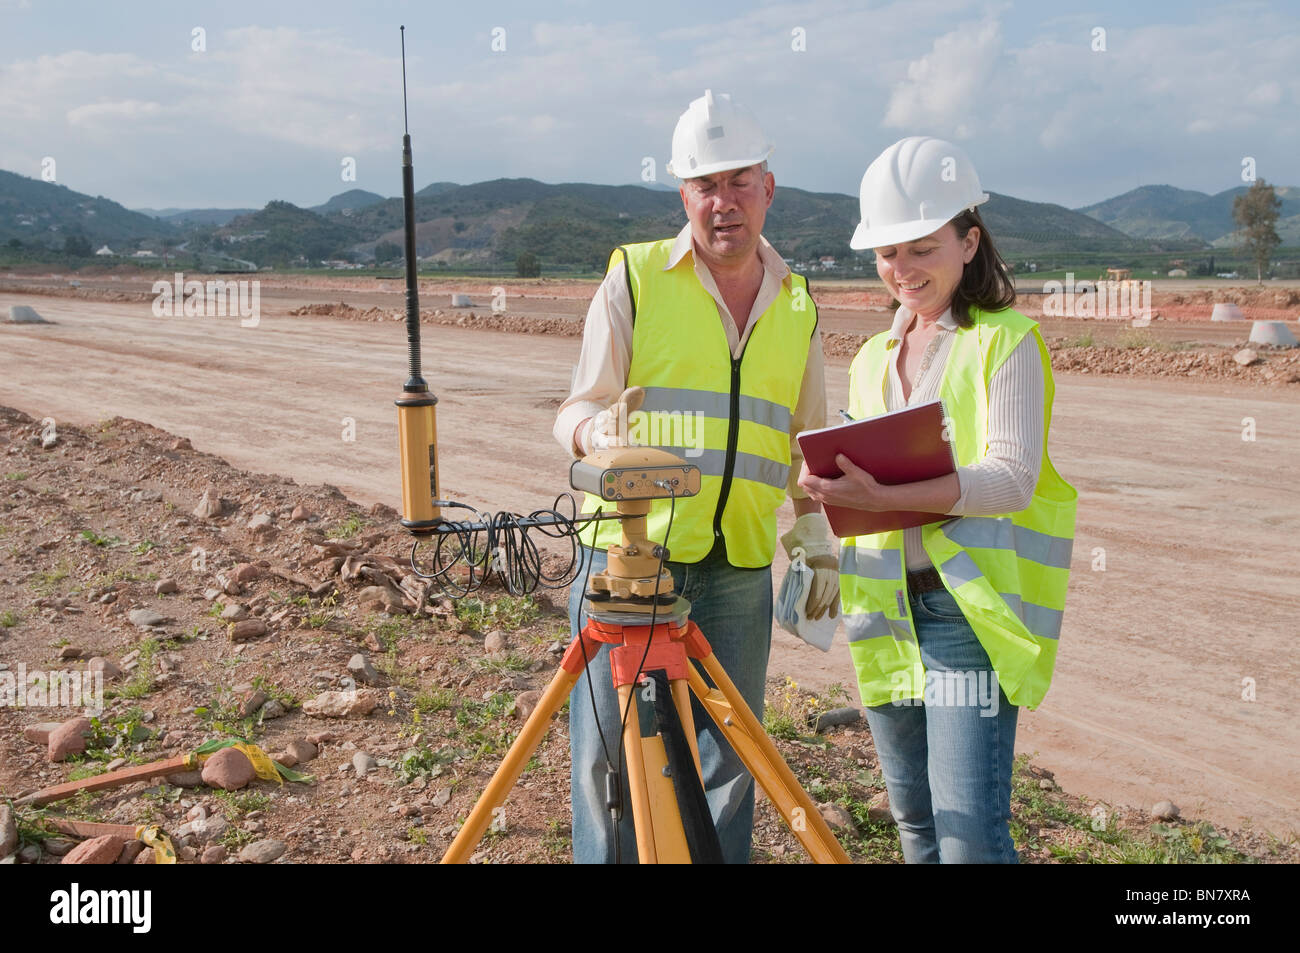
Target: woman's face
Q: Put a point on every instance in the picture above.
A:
(923, 274)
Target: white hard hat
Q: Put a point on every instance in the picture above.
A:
(914, 188)
(716, 134)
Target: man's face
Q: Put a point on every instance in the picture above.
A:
(727, 211)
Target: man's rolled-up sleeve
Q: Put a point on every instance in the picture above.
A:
(601, 373)
(809, 412)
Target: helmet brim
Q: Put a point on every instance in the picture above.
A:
(712, 167)
(865, 237)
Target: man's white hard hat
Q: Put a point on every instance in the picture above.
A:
(914, 188)
(716, 134)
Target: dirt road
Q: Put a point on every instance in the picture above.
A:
(1177, 675)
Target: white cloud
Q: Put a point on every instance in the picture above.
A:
(1266, 94)
(269, 111)
(945, 87)
(101, 115)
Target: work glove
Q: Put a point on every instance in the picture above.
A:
(811, 533)
(604, 430)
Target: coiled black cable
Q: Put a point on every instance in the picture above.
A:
(468, 553)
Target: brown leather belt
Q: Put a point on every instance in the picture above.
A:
(924, 580)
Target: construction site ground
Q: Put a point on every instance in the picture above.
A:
(1176, 677)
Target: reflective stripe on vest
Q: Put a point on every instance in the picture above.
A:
(731, 418)
(1008, 573)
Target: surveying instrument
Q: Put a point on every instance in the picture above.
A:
(655, 650)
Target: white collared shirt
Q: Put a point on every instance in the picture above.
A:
(1004, 481)
(601, 374)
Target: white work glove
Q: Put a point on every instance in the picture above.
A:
(812, 534)
(602, 431)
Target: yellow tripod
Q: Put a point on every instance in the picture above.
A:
(634, 583)
(660, 834)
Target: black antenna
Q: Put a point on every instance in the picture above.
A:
(406, 126)
(415, 383)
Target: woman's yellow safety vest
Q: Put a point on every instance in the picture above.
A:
(728, 416)
(1008, 573)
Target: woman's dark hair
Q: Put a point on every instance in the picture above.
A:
(986, 280)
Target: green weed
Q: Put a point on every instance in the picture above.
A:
(507, 612)
(46, 582)
(348, 527)
(102, 541)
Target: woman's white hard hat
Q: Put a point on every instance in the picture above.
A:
(914, 188)
(716, 134)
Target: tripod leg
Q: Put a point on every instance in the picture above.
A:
(498, 789)
(681, 690)
(752, 745)
(636, 790)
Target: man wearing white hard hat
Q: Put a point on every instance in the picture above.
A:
(953, 626)
(719, 332)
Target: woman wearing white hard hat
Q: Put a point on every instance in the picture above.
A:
(953, 626)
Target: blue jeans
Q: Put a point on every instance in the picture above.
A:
(733, 608)
(947, 762)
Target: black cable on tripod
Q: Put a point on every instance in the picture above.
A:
(654, 613)
(500, 544)
(613, 791)
(693, 806)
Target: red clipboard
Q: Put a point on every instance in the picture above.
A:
(902, 446)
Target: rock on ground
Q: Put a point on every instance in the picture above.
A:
(39, 733)
(248, 629)
(262, 851)
(209, 506)
(362, 670)
(106, 667)
(526, 703)
(363, 764)
(878, 808)
(340, 704)
(228, 769)
(838, 716)
(8, 831)
(145, 617)
(97, 850)
(302, 750)
(69, 738)
(1165, 811)
(837, 816)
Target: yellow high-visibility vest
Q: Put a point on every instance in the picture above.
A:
(728, 416)
(1008, 573)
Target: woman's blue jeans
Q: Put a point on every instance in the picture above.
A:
(733, 608)
(947, 762)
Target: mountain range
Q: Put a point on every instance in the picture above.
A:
(1164, 212)
(574, 225)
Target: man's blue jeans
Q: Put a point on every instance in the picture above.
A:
(733, 608)
(947, 763)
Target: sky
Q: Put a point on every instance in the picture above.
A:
(233, 104)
